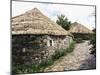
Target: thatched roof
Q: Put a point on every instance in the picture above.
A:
(34, 22)
(79, 28)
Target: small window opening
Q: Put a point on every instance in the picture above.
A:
(50, 42)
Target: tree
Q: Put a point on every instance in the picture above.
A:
(93, 42)
(93, 38)
(63, 21)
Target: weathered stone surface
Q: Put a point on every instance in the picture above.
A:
(33, 48)
(79, 59)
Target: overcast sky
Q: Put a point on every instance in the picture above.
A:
(81, 14)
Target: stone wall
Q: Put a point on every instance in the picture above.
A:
(31, 49)
(84, 36)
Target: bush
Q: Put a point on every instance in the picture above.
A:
(71, 47)
(60, 53)
(93, 42)
(78, 40)
(45, 63)
(34, 68)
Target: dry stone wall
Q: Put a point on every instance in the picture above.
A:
(31, 49)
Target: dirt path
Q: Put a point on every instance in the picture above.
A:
(78, 59)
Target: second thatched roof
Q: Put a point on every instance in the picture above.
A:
(34, 22)
(79, 28)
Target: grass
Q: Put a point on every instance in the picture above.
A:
(59, 53)
(34, 68)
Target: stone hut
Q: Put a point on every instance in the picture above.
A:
(35, 37)
(80, 31)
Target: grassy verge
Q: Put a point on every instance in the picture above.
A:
(34, 68)
(59, 53)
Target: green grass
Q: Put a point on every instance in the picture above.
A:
(78, 40)
(34, 68)
(63, 52)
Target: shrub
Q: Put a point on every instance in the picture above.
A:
(78, 40)
(93, 42)
(71, 47)
(39, 67)
(60, 53)
(33, 68)
(45, 63)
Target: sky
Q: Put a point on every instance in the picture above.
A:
(81, 14)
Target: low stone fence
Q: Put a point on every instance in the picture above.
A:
(32, 49)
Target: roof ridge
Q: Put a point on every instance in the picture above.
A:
(40, 24)
(77, 27)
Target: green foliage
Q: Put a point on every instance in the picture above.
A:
(46, 63)
(33, 68)
(60, 53)
(93, 42)
(63, 21)
(71, 47)
(39, 67)
(78, 40)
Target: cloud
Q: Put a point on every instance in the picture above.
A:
(73, 12)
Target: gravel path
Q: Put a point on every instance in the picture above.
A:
(78, 59)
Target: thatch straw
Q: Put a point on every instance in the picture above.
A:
(34, 22)
(79, 28)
